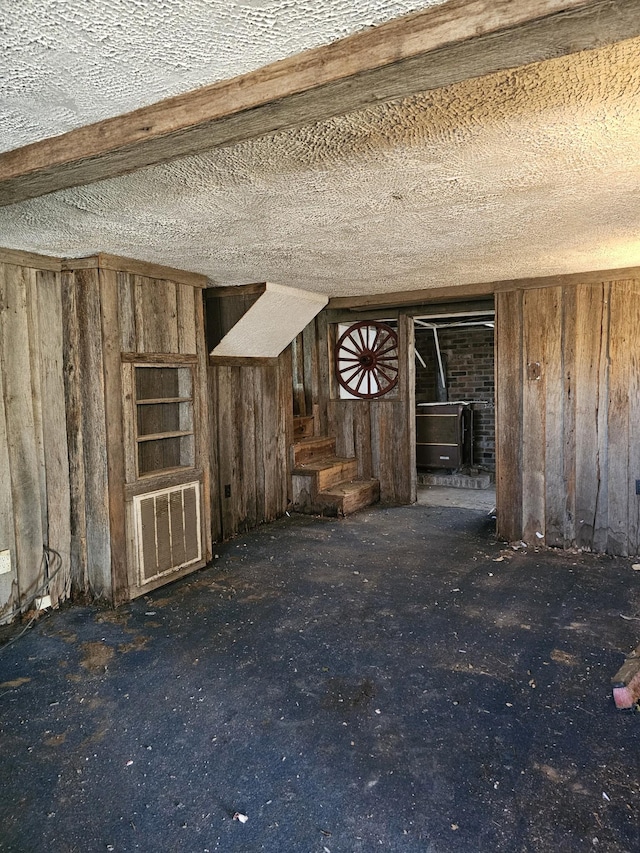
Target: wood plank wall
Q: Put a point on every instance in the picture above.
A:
(34, 474)
(107, 313)
(251, 429)
(568, 416)
(380, 433)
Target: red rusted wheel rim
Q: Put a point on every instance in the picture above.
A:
(366, 358)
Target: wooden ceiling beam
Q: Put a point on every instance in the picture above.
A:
(477, 290)
(445, 44)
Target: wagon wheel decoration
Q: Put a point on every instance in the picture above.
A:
(366, 357)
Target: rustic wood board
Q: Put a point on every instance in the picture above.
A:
(22, 441)
(56, 458)
(509, 379)
(94, 435)
(554, 405)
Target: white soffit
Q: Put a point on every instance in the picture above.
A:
(269, 326)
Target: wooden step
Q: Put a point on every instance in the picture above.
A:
(302, 427)
(346, 498)
(324, 473)
(314, 448)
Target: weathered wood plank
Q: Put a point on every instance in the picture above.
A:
(94, 434)
(406, 421)
(299, 398)
(33, 366)
(56, 459)
(285, 426)
(361, 437)
(569, 325)
(110, 300)
(215, 499)
(633, 473)
(186, 317)
(156, 314)
(555, 495)
(134, 267)
(438, 46)
(8, 582)
(126, 311)
(325, 373)
(226, 448)
(201, 405)
(509, 379)
(600, 534)
(246, 447)
(271, 441)
(536, 311)
(592, 317)
(25, 481)
(622, 336)
(73, 385)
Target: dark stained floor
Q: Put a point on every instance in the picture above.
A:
(378, 683)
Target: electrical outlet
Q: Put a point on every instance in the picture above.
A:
(227, 490)
(5, 562)
(637, 487)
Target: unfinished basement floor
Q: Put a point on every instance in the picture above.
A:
(385, 682)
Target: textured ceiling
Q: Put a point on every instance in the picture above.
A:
(67, 63)
(523, 173)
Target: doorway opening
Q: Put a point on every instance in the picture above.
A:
(455, 406)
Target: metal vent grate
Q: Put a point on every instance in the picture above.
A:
(167, 530)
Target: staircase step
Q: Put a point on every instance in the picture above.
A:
(312, 449)
(325, 473)
(302, 427)
(347, 498)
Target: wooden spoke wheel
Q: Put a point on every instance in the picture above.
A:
(366, 358)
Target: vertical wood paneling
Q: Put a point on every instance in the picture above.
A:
(94, 433)
(554, 479)
(590, 353)
(73, 384)
(274, 464)
(248, 514)
(226, 448)
(9, 581)
(56, 459)
(535, 315)
(325, 373)
(633, 471)
(580, 423)
(509, 380)
(201, 414)
(623, 329)
(186, 297)
(22, 440)
(156, 315)
(406, 425)
(569, 320)
(126, 311)
(285, 390)
(114, 432)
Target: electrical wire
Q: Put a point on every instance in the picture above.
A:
(49, 557)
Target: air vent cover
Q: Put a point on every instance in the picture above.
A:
(167, 530)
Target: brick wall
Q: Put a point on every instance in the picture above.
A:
(467, 355)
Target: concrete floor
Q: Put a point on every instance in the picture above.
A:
(480, 499)
(384, 682)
